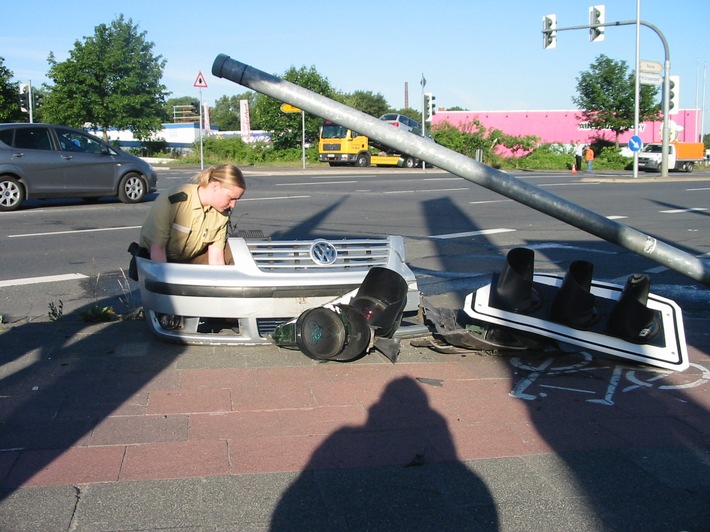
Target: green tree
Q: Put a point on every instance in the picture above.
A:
(111, 80)
(226, 113)
(606, 97)
(9, 103)
(286, 127)
(366, 101)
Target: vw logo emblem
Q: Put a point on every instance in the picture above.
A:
(323, 252)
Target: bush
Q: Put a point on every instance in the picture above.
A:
(544, 157)
(610, 159)
(235, 151)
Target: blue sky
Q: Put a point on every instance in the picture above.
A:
(479, 55)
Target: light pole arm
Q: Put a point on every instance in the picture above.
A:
(666, 79)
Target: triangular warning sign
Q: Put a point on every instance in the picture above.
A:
(200, 81)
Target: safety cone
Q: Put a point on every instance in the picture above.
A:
(574, 168)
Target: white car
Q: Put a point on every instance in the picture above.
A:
(403, 122)
(270, 283)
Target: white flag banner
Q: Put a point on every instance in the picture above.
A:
(244, 119)
(206, 118)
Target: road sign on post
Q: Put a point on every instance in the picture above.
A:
(288, 108)
(650, 78)
(653, 67)
(635, 143)
(200, 82)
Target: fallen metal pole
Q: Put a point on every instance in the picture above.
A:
(465, 167)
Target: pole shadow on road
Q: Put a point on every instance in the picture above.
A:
(61, 379)
(631, 442)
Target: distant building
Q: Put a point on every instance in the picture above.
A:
(182, 136)
(563, 127)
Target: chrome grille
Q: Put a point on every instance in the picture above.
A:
(351, 254)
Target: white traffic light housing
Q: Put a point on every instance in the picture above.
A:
(431, 106)
(596, 17)
(24, 97)
(624, 321)
(549, 31)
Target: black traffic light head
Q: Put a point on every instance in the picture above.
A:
(344, 332)
(573, 304)
(514, 288)
(381, 299)
(673, 94)
(631, 319)
(335, 332)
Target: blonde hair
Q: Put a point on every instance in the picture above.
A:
(224, 173)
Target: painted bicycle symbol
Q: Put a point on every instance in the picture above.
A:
(538, 381)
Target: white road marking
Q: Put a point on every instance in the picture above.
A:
(45, 279)
(424, 191)
(310, 183)
(77, 231)
(472, 233)
(489, 201)
(677, 211)
(274, 198)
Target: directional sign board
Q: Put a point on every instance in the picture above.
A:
(652, 67)
(650, 78)
(288, 108)
(635, 143)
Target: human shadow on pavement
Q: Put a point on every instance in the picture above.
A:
(398, 471)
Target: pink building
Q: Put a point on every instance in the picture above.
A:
(564, 127)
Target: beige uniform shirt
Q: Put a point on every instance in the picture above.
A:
(179, 222)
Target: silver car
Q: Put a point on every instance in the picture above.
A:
(39, 161)
(269, 283)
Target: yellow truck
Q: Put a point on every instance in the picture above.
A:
(340, 146)
(681, 156)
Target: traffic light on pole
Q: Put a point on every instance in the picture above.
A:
(24, 98)
(673, 95)
(431, 106)
(596, 17)
(549, 31)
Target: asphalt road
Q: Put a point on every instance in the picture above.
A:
(456, 232)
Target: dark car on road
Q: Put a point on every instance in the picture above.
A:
(40, 161)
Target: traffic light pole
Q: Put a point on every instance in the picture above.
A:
(666, 79)
(526, 193)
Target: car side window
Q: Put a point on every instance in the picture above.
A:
(6, 136)
(76, 142)
(32, 138)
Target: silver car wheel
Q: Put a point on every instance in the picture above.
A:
(11, 194)
(132, 189)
